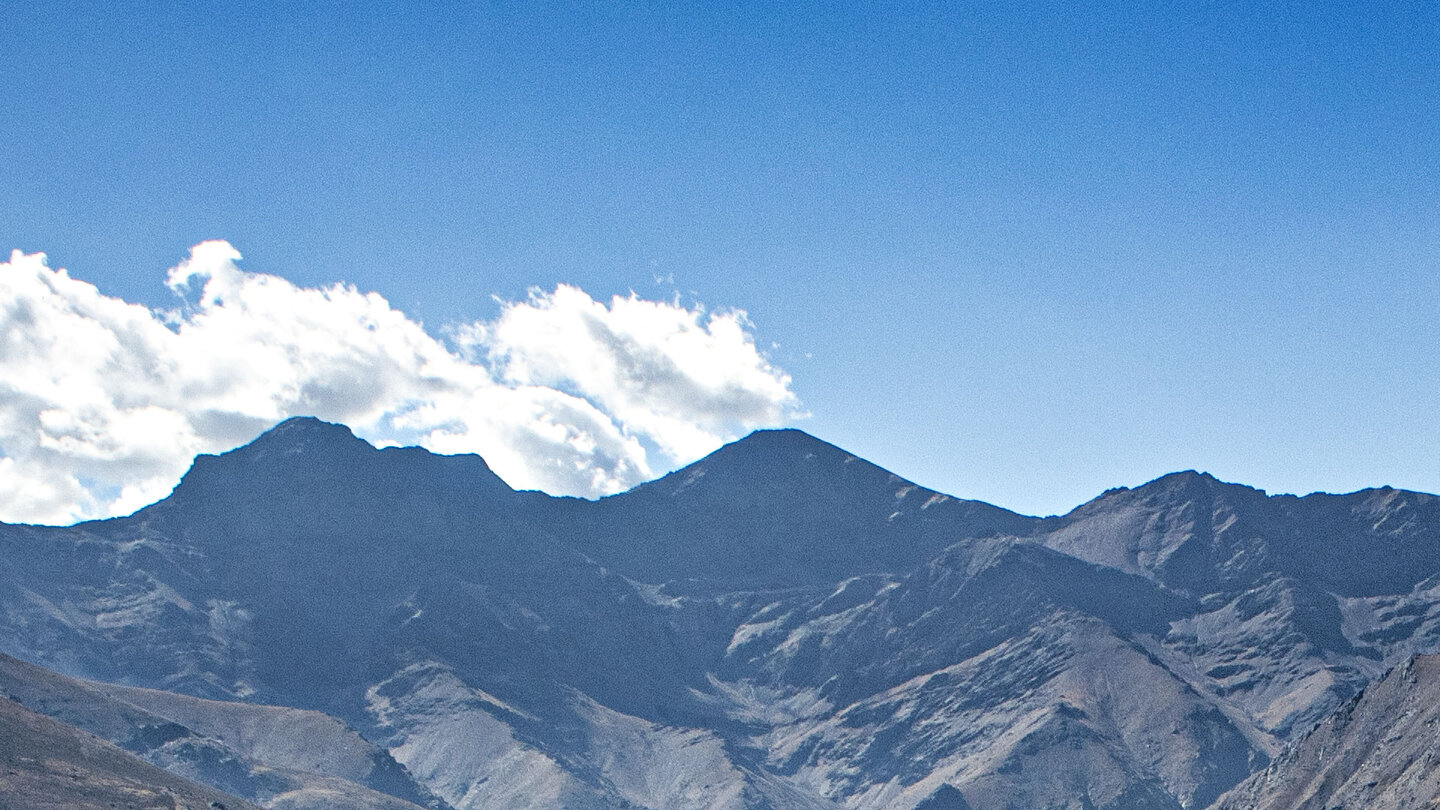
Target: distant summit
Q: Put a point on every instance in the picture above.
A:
(300, 434)
(305, 459)
(781, 507)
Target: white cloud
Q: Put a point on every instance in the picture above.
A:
(680, 376)
(103, 403)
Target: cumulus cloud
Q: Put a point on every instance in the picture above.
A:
(676, 375)
(103, 403)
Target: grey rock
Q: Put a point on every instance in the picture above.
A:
(48, 765)
(1378, 752)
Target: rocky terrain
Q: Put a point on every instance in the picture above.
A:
(1379, 751)
(47, 765)
(780, 625)
(278, 757)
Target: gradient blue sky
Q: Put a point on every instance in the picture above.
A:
(1018, 252)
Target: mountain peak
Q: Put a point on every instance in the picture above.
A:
(308, 423)
(1172, 529)
(1187, 477)
(789, 459)
(307, 463)
(300, 434)
(781, 507)
(785, 441)
(763, 435)
(1172, 488)
(300, 445)
(1186, 480)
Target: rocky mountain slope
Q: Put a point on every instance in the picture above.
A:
(780, 625)
(1379, 751)
(47, 765)
(275, 756)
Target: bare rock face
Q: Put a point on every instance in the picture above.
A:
(47, 765)
(780, 625)
(1380, 751)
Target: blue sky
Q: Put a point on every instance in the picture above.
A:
(1018, 252)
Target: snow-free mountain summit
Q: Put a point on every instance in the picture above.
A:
(779, 625)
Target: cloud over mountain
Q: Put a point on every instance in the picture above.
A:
(104, 402)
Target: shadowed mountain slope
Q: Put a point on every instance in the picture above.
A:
(781, 508)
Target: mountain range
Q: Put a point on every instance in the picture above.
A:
(309, 621)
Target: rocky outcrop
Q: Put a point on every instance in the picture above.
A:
(47, 765)
(1380, 751)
